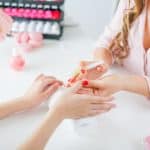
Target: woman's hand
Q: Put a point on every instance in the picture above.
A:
(94, 73)
(41, 89)
(73, 105)
(106, 86)
(84, 72)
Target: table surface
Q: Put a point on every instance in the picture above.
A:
(124, 128)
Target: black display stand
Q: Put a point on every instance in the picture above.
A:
(38, 4)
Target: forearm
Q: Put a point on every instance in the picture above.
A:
(103, 54)
(9, 107)
(135, 84)
(40, 137)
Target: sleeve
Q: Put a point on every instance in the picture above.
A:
(114, 27)
(148, 84)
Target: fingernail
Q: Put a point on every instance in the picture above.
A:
(83, 71)
(85, 82)
(99, 68)
(69, 80)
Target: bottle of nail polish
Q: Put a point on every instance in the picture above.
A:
(15, 26)
(23, 26)
(17, 62)
(47, 28)
(39, 27)
(31, 26)
(55, 28)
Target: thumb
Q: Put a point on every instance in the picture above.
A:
(75, 87)
(91, 84)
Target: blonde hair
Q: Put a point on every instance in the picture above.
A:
(119, 46)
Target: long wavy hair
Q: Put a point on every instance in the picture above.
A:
(119, 46)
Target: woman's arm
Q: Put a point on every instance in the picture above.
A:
(111, 84)
(40, 90)
(104, 55)
(135, 84)
(39, 139)
(69, 105)
(13, 106)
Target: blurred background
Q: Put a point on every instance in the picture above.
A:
(91, 15)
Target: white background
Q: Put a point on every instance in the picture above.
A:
(92, 15)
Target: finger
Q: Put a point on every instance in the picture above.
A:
(97, 112)
(75, 87)
(92, 83)
(84, 63)
(48, 80)
(105, 106)
(85, 91)
(50, 77)
(52, 89)
(39, 76)
(98, 99)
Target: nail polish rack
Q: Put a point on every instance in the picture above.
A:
(43, 16)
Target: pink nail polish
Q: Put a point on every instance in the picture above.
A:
(17, 62)
(7, 10)
(14, 11)
(48, 14)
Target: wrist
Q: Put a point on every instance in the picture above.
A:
(27, 102)
(121, 80)
(57, 113)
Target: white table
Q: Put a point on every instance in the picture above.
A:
(122, 129)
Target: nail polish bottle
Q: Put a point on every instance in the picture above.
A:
(47, 28)
(39, 27)
(17, 62)
(23, 26)
(27, 13)
(31, 26)
(33, 13)
(14, 11)
(39, 16)
(48, 14)
(55, 28)
(15, 26)
(7, 10)
(55, 14)
(20, 12)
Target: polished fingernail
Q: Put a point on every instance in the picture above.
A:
(99, 68)
(85, 82)
(69, 80)
(83, 71)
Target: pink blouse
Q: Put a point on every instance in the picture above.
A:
(138, 61)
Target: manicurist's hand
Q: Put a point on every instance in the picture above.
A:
(41, 89)
(106, 86)
(95, 72)
(74, 105)
(86, 72)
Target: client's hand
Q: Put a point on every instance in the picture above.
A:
(41, 89)
(73, 105)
